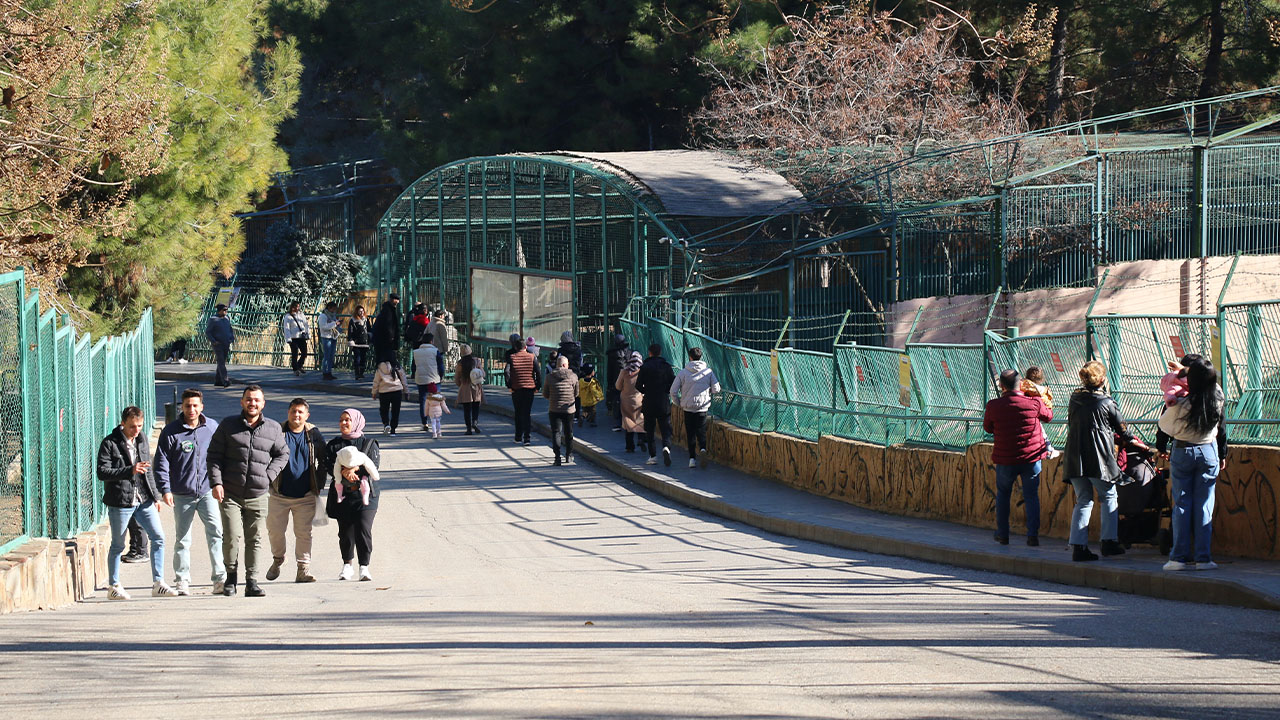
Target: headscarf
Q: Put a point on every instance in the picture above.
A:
(634, 361)
(357, 424)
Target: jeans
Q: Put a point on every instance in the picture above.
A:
(561, 432)
(695, 431)
(358, 355)
(220, 352)
(328, 349)
(1194, 469)
(522, 399)
(303, 511)
(244, 518)
(389, 408)
(664, 424)
(1005, 477)
(149, 518)
(1084, 488)
(470, 414)
(298, 354)
(185, 508)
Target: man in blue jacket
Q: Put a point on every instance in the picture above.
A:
(181, 464)
(220, 334)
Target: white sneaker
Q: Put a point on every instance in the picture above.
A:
(651, 461)
(116, 592)
(182, 361)
(693, 462)
(1175, 565)
(182, 587)
(219, 586)
(1211, 565)
(702, 457)
(386, 429)
(160, 589)
(364, 573)
(347, 572)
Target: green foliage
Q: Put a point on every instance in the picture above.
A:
(308, 267)
(231, 82)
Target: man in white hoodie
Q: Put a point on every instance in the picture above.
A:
(692, 389)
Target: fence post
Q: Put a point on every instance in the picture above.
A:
(24, 375)
(1090, 350)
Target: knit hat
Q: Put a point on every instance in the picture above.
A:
(634, 361)
(465, 349)
(530, 343)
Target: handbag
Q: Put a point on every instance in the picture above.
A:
(321, 517)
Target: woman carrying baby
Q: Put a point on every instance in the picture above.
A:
(353, 493)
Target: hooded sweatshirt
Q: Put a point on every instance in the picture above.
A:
(694, 386)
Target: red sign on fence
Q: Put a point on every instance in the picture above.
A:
(946, 370)
(861, 377)
(745, 366)
(1177, 347)
(1057, 361)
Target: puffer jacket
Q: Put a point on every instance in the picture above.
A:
(561, 390)
(693, 387)
(571, 349)
(1014, 421)
(1093, 429)
(115, 470)
(246, 459)
(654, 383)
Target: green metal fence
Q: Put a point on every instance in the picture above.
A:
(933, 394)
(60, 393)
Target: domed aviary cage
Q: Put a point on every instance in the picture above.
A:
(542, 244)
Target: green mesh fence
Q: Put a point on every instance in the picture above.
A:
(1251, 369)
(949, 380)
(869, 381)
(1059, 356)
(59, 395)
(1137, 350)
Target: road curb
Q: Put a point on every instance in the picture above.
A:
(1180, 586)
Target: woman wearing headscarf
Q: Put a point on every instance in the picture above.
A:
(1089, 462)
(629, 398)
(1193, 426)
(353, 510)
(470, 387)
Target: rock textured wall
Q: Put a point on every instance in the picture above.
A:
(960, 487)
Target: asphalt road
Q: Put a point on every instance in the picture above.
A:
(504, 587)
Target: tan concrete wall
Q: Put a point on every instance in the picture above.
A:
(960, 487)
(1145, 286)
(44, 574)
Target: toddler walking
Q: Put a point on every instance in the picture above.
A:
(1033, 385)
(590, 394)
(437, 407)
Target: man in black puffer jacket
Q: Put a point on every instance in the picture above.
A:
(246, 454)
(654, 383)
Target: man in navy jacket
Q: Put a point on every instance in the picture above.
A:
(181, 463)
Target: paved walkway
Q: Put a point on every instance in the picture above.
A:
(508, 588)
(774, 507)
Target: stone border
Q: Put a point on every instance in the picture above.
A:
(44, 574)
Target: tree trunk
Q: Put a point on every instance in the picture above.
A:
(1057, 64)
(1213, 60)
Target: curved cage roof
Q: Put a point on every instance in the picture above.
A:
(698, 183)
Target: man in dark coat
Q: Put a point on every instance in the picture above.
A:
(246, 454)
(654, 383)
(129, 490)
(1014, 419)
(386, 330)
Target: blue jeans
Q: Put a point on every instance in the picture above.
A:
(328, 348)
(1005, 477)
(1195, 478)
(185, 508)
(149, 519)
(1084, 488)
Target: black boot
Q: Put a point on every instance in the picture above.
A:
(1112, 547)
(229, 587)
(251, 589)
(1081, 553)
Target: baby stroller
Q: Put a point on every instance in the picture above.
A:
(1143, 498)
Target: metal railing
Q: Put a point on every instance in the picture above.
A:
(61, 392)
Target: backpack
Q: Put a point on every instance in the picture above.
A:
(477, 376)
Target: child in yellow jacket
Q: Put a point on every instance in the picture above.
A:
(589, 393)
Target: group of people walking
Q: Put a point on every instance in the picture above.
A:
(246, 477)
(383, 335)
(1191, 436)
